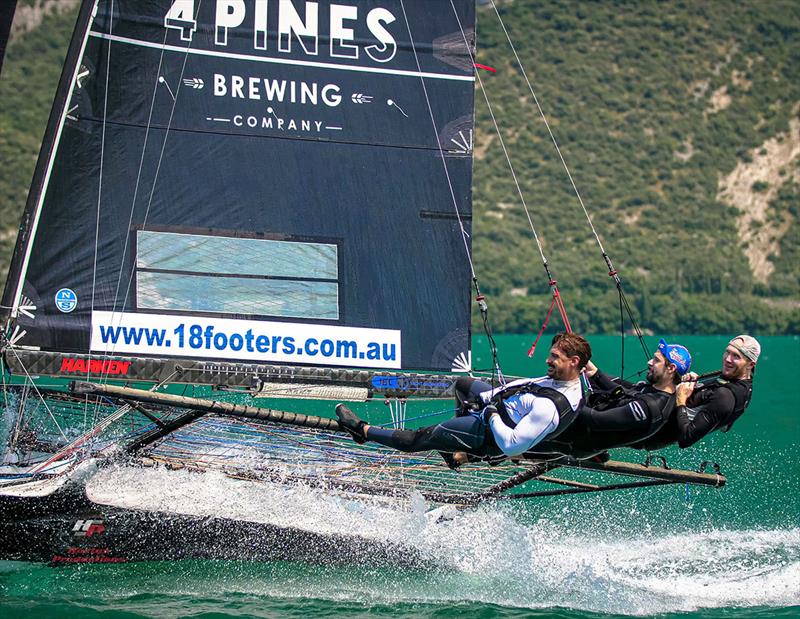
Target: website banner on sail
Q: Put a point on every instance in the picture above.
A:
(275, 180)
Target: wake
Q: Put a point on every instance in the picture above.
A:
(610, 560)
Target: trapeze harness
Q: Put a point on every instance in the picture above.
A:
(742, 391)
(470, 399)
(606, 421)
(566, 414)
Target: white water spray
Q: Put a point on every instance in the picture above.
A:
(539, 556)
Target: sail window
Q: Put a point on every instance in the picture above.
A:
(227, 275)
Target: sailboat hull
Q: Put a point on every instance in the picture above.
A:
(67, 528)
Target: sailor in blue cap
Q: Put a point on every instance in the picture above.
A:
(676, 355)
(620, 413)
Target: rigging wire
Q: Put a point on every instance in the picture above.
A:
(14, 435)
(139, 172)
(96, 429)
(479, 297)
(397, 411)
(612, 272)
(158, 165)
(557, 299)
(7, 345)
(3, 370)
(99, 198)
(163, 148)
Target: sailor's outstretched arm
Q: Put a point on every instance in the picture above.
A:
(635, 414)
(694, 424)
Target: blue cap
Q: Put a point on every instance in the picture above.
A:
(677, 354)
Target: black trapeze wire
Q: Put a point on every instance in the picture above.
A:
(612, 272)
(497, 373)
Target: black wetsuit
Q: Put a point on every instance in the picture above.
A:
(712, 406)
(618, 414)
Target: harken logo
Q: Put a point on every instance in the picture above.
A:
(88, 528)
(110, 367)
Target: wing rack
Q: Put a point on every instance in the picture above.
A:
(311, 450)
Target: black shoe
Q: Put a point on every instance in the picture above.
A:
(349, 421)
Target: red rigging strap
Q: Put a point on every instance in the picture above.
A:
(532, 349)
(484, 91)
(561, 309)
(612, 272)
(557, 302)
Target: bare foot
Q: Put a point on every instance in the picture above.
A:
(460, 457)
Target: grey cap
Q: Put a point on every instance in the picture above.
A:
(747, 345)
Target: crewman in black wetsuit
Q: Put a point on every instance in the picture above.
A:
(619, 413)
(703, 408)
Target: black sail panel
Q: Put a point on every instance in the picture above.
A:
(6, 17)
(288, 187)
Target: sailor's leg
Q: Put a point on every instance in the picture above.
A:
(458, 434)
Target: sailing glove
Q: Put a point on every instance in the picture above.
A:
(488, 411)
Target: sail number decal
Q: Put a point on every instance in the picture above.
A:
(225, 338)
(181, 17)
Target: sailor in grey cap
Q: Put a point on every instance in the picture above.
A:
(740, 357)
(718, 404)
(704, 407)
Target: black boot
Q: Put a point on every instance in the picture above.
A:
(349, 421)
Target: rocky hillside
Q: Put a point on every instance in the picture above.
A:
(679, 123)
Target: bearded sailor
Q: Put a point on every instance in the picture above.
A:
(702, 408)
(619, 413)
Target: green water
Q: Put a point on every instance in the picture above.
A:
(667, 552)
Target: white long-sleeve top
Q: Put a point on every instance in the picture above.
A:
(536, 417)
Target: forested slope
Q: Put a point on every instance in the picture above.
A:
(672, 117)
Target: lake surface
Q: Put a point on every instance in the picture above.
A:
(666, 551)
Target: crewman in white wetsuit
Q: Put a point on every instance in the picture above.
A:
(517, 416)
(532, 417)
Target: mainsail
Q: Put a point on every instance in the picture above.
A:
(271, 182)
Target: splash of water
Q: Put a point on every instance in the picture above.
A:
(612, 560)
